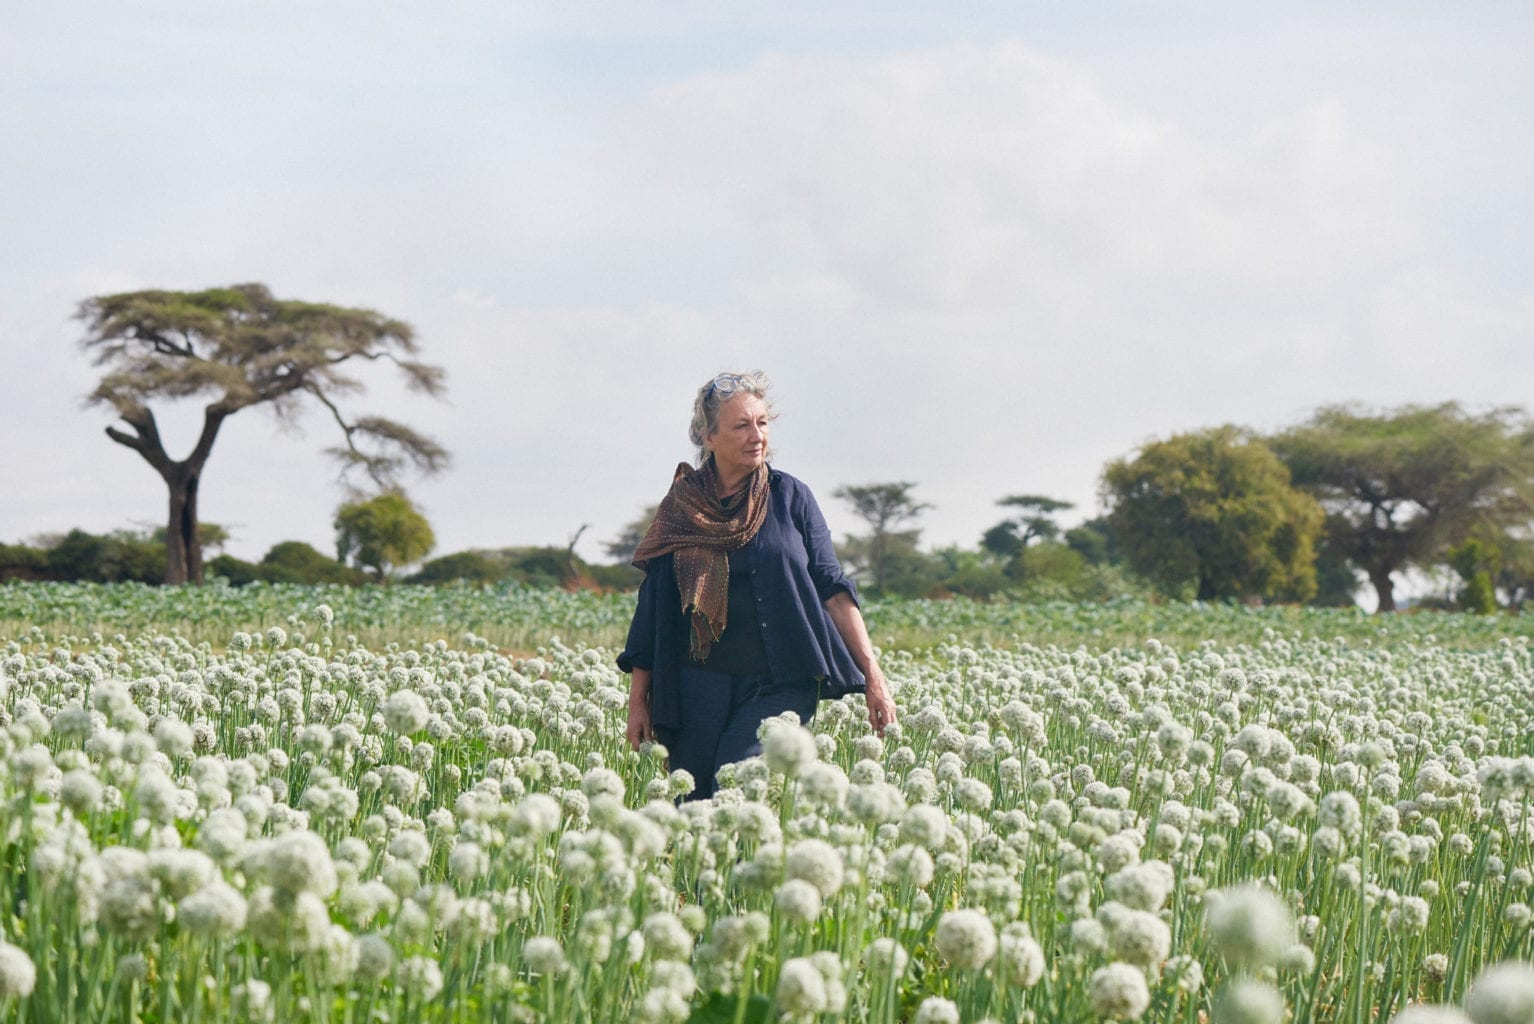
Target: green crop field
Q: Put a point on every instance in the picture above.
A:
(404, 804)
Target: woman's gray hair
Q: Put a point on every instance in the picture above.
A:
(720, 389)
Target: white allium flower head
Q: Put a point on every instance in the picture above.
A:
(252, 1000)
(1118, 992)
(468, 861)
(936, 1010)
(925, 825)
(1022, 959)
(223, 834)
(1142, 938)
(173, 737)
(18, 974)
(299, 861)
(81, 791)
(1426, 1013)
(536, 815)
(817, 862)
(910, 865)
(599, 781)
(1245, 1001)
(544, 955)
(1142, 886)
(797, 900)
(966, 939)
(421, 976)
(1339, 810)
(1249, 926)
(801, 987)
(666, 937)
(1503, 994)
(300, 923)
(787, 747)
(375, 957)
(216, 910)
(405, 712)
(885, 954)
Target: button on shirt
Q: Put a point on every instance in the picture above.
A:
(793, 570)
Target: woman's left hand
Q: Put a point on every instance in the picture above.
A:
(881, 706)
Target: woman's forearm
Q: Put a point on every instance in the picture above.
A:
(849, 623)
(854, 632)
(639, 688)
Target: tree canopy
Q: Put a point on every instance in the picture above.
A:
(1034, 519)
(883, 506)
(1212, 515)
(1404, 486)
(237, 347)
(381, 533)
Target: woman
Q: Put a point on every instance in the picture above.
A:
(744, 612)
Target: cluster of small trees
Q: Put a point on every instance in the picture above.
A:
(1227, 514)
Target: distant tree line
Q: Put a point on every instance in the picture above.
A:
(1349, 498)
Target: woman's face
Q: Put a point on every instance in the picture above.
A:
(739, 441)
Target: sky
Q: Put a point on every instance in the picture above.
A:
(982, 247)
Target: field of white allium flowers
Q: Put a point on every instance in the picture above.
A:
(1120, 813)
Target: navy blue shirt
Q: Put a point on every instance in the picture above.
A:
(794, 571)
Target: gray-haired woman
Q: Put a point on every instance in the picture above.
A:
(744, 611)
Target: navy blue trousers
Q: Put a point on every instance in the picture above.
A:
(720, 716)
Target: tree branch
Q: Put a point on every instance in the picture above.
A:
(147, 443)
(212, 418)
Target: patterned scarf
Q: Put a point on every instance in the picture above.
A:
(693, 524)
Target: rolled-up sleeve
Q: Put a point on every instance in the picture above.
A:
(825, 570)
(639, 650)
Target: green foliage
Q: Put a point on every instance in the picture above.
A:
(887, 556)
(468, 566)
(622, 547)
(1094, 540)
(289, 561)
(1479, 595)
(212, 536)
(1478, 562)
(1403, 486)
(890, 564)
(1033, 520)
(23, 562)
(293, 561)
(1336, 579)
(720, 1008)
(1211, 515)
(116, 557)
(535, 566)
(381, 533)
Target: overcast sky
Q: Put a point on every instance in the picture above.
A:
(985, 247)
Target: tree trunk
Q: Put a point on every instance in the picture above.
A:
(1385, 588)
(183, 547)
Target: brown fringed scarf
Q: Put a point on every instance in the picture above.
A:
(693, 524)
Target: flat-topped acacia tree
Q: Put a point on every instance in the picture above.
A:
(240, 346)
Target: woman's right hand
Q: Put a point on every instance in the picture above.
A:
(639, 729)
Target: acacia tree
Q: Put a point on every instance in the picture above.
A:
(1402, 487)
(1033, 520)
(882, 506)
(1212, 515)
(240, 346)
